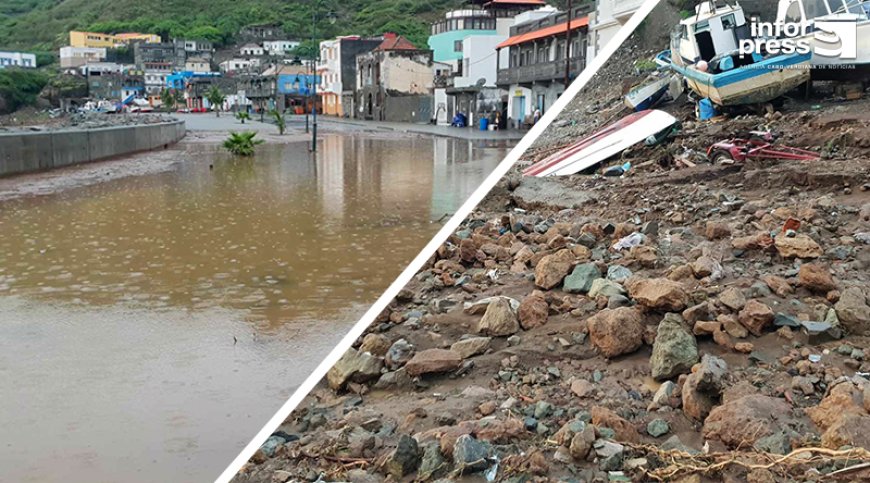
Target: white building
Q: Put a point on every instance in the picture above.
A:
(279, 47)
(609, 16)
(72, 57)
(17, 59)
(251, 50)
(155, 82)
(238, 65)
(197, 64)
(103, 68)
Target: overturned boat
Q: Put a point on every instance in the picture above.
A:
(834, 58)
(705, 51)
(652, 91)
(607, 142)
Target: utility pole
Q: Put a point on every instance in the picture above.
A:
(568, 46)
(314, 80)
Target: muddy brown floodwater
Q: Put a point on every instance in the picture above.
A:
(156, 311)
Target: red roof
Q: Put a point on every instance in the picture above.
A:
(544, 32)
(395, 42)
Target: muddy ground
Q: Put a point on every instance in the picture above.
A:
(687, 321)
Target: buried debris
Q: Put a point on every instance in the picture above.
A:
(756, 148)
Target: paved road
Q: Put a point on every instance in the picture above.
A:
(296, 124)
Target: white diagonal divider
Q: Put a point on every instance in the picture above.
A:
(452, 224)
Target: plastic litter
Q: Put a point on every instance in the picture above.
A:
(629, 241)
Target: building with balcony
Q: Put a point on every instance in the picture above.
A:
(394, 82)
(73, 57)
(539, 61)
(607, 18)
(337, 70)
(110, 41)
(158, 57)
(17, 59)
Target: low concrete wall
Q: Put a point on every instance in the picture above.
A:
(27, 152)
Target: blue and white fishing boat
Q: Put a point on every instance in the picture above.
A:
(650, 92)
(704, 50)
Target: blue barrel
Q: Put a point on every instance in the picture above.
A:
(484, 124)
(706, 109)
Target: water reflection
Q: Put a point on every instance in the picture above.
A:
(149, 325)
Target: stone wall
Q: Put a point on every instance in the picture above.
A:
(26, 152)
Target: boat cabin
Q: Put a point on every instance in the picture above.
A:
(806, 11)
(712, 31)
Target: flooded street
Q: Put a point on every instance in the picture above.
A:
(151, 323)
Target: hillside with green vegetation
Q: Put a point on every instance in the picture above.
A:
(42, 25)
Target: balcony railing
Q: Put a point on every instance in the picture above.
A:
(540, 72)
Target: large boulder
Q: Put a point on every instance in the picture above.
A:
(851, 429)
(499, 319)
(433, 361)
(816, 278)
(675, 349)
(616, 331)
(659, 293)
(580, 280)
(354, 366)
(755, 316)
(748, 419)
(703, 387)
(533, 311)
(552, 269)
(471, 346)
(853, 311)
(798, 246)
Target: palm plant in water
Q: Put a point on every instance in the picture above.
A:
(280, 120)
(243, 116)
(242, 143)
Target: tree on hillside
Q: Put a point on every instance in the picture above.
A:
(216, 98)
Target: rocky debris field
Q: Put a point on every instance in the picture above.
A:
(707, 323)
(29, 121)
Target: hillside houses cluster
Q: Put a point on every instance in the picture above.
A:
(506, 61)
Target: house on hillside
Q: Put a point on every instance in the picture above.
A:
(197, 64)
(237, 65)
(260, 32)
(251, 50)
(17, 59)
(95, 39)
(539, 59)
(338, 72)
(279, 48)
(72, 57)
(394, 82)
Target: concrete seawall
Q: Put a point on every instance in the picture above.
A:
(27, 152)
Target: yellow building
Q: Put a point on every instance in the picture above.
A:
(95, 39)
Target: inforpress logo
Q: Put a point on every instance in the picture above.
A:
(842, 36)
(826, 38)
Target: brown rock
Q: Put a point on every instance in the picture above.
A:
(552, 269)
(853, 311)
(842, 399)
(704, 327)
(581, 387)
(705, 266)
(700, 312)
(471, 346)
(816, 278)
(616, 331)
(850, 429)
(354, 366)
(432, 361)
(681, 272)
(779, 285)
(758, 241)
(755, 316)
(643, 254)
(659, 293)
(487, 408)
(581, 443)
(467, 251)
(716, 230)
(722, 338)
(499, 319)
(732, 298)
(702, 387)
(533, 311)
(744, 347)
(375, 344)
(732, 326)
(625, 431)
(799, 246)
(745, 420)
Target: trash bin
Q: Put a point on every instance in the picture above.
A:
(484, 124)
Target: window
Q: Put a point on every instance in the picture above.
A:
(728, 22)
(457, 46)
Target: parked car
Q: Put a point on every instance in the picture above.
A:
(183, 110)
